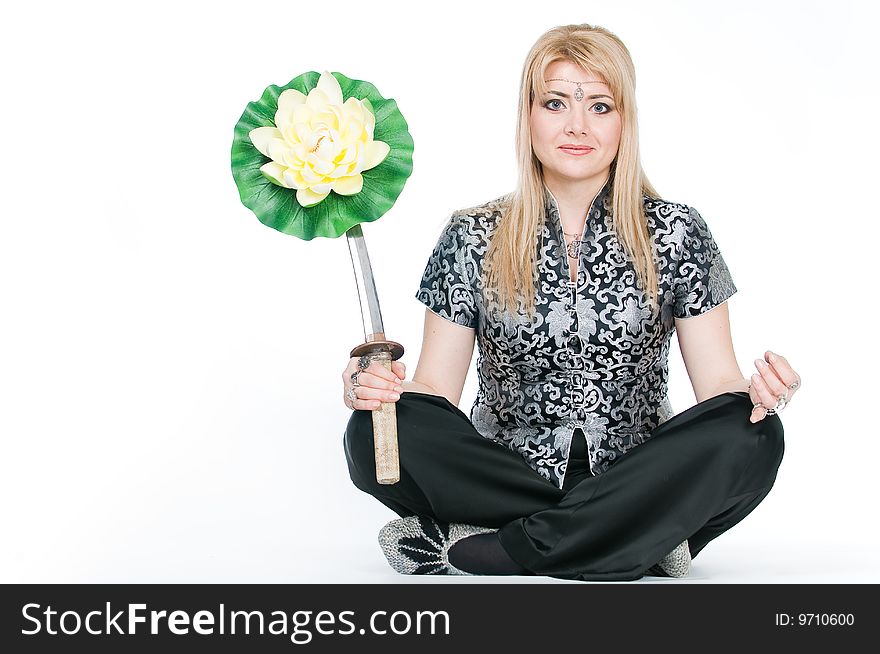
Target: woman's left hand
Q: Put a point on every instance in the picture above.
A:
(774, 381)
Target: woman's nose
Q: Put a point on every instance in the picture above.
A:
(577, 122)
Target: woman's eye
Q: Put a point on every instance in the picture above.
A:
(602, 104)
(547, 104)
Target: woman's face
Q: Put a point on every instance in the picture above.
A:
(558, 119)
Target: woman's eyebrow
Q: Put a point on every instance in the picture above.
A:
(590, 97)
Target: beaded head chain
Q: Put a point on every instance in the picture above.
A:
(578, 92)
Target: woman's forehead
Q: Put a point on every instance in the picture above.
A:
(571, 71)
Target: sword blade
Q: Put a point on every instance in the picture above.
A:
(366, 285)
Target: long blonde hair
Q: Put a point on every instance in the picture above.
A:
(510, 264)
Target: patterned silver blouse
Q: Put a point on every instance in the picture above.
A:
(594, 357)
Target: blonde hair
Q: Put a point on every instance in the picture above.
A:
(510, 264)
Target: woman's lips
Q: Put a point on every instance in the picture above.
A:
(577, 151)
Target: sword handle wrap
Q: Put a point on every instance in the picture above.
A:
(385, 433)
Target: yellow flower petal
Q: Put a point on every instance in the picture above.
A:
(301, 114)
(334, 134)
(352, 110)
(353, 131)
(346, 155)
(307, 198)
(290, 160)
(290, 99)
(330, 86)
(325, 120)
(283, 119)
(291, 137)
(349, 185)
(303, 131)
(294, 179)
(275, 172)
(316, 101)
(300, 151)
(376, 152)
(310, 143)
(311, 176)
(276, 149)
(261, 136)
(320, 166)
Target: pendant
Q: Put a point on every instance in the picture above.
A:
(579, 93)
(574, 249)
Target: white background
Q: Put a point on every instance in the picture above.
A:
(170, 368)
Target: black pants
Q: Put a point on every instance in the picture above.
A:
(700, 473)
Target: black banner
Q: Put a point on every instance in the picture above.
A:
(430, 616)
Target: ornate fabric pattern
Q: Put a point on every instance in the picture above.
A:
(594, 356)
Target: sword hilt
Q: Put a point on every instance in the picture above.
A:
(385, 417)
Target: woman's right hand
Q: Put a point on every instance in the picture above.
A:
(376, 384)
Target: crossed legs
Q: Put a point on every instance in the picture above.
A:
(699, 474)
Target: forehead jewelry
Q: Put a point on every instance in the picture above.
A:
(578, 92)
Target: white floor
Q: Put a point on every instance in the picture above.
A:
(718, 564)
(183, 544)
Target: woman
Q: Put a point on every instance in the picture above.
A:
(572, 464)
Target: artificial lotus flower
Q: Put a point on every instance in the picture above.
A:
(339, 155)
(320, 144)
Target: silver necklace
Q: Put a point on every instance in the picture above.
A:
(573, 248)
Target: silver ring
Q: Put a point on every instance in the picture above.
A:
(781, 401)
(364, 362)
(794, 385)
(351, 395)
(354, 378)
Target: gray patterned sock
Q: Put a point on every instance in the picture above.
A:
(418, 545)
(675, 564)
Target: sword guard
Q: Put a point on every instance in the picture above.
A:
(379, 345)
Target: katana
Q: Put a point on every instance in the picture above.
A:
(377, 348)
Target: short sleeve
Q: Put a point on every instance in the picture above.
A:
(703, 280)
(445, 288)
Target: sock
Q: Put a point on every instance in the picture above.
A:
(483, 554)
